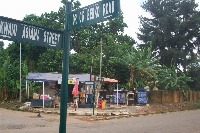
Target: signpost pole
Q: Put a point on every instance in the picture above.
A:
(65, 71)
(94, 94)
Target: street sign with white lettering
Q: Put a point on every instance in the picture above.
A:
(100, 79)
(95, 13)
(89, 83)
(14, 30)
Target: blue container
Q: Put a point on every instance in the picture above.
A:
(142, 90)
(142, 96)
(142, 100)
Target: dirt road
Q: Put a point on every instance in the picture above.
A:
(26, 122)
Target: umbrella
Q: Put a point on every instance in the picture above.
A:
(75, 89)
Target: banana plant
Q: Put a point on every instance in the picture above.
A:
(140, 65)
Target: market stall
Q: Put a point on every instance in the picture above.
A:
(51, 78)
(51, 86)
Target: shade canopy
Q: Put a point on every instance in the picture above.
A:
(50, 77)
(43, 77)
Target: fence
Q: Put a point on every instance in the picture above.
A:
(172, 96)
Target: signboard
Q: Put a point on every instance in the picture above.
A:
(89, 83)
(14, 30)
(95, 13)
(70, 81)
(99, 79)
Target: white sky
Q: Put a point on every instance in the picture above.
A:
(18, 9)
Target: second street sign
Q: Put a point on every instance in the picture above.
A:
(95, 13)
(14, 30)
(89, 83)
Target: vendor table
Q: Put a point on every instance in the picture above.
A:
(39, 102)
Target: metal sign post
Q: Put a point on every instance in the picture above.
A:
(65, 71)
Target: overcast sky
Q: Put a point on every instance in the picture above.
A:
(18, 9)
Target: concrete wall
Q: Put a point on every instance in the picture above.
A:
(172, 96)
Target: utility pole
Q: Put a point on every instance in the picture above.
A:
(100, 58)
(92, 63)
(20, 82)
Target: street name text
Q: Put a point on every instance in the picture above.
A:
(15, 30)
(95, 13)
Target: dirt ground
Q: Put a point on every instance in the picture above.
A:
(136, 110)
(152, 108)
(17, 121)
(159, 108)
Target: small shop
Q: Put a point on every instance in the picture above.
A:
(49, 94)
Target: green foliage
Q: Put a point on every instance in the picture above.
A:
(173, 29)
(50, 20)
(140, 65)
(172, 79)
(8, 79)
(50, 61)
(193, 72)
(34, 86)
(1, 45)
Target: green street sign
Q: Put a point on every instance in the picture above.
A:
(14, 30)
(95, 13)
(99, 79)
(89, 83)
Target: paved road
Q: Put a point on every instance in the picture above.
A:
(177, 122)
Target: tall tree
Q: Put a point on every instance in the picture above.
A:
(173, 29)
